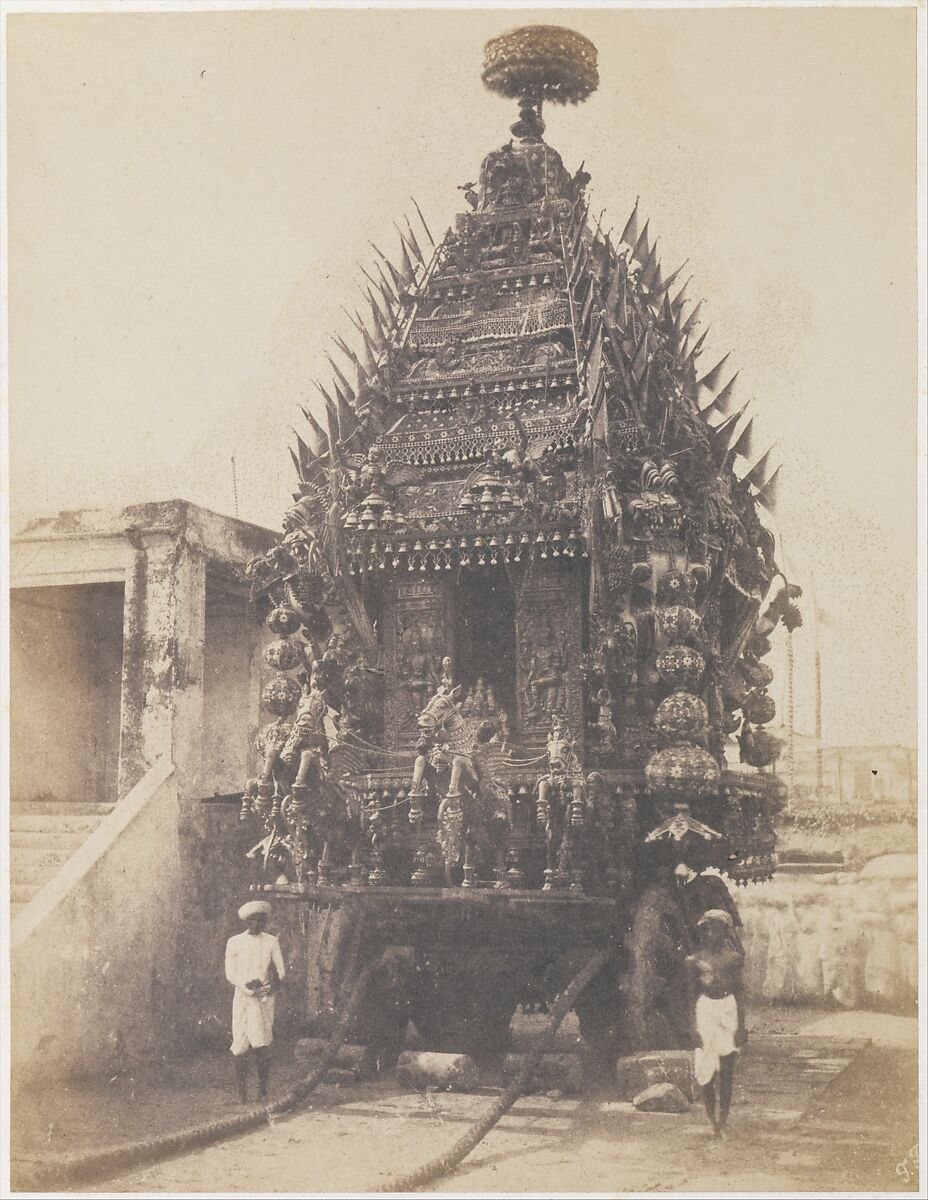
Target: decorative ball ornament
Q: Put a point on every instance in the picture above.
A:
(681, 716)
(679, 622)
(282, 655)
(759, 674)
(282, 621)
(760, 708)
(680, 666)
(281, 696)
(541, 62)
(683, 771)
(676, 587)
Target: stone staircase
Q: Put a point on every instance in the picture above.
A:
(43, 836)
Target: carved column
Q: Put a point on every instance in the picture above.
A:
(418, 631)
(164, 632)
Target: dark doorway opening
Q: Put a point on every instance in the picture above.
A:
(65, 689)
(485, 642)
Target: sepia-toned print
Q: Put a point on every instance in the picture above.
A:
(479, 757)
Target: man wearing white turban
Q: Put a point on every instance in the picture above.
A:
(255, 967)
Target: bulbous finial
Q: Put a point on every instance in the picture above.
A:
(537, 63)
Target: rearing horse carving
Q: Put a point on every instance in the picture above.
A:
(472, 802)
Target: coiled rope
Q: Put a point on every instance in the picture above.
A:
(459, 1151)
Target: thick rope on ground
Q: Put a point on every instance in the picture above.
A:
(97, 1164)
(459, 1151)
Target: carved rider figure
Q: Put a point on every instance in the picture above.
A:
(308, 738)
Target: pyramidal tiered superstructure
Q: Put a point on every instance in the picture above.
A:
(524, 592)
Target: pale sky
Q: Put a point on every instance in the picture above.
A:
(190, 196)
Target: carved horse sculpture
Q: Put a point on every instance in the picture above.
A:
(472, 803)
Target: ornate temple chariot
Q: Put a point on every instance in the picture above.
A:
(522, 599)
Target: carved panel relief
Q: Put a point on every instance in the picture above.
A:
(548, 624)
(417, 635)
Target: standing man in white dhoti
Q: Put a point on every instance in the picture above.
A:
(255, 967)
(716, 983)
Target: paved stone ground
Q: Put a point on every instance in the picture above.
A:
(815, 1109)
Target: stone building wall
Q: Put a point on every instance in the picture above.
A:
(135, 647)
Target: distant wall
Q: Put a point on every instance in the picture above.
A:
(65, 664)
(94, 959)
(839, 940)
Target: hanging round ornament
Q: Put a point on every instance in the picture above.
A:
(681, 716)
(282, 655)
(683, 771)
(281, 696)
(680, 666)
(283, 621)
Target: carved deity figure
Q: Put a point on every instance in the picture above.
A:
(446, 679)
(415, 668)
(544, 665)
(560, 809)
(603, 728)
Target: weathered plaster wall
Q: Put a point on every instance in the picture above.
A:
(232, 677)
(65, 661)
(130, 964)
(94, 983)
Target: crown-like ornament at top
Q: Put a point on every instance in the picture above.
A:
(537, 63)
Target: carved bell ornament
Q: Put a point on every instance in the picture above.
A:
(760, 709)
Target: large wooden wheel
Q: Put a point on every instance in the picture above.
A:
(654, 987)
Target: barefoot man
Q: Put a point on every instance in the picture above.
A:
(255, 966)
(716, 982)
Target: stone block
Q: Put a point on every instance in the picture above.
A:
(637, 1072)
(663, 1098)
(446, 1072)
(341, 1078)
(357, 1060)
(556, 1072)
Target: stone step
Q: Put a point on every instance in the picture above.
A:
(22, 893)
(43, 836)
(53, 808)
(53, 825)
(54, 840)
(36, 864)
(16, 908)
